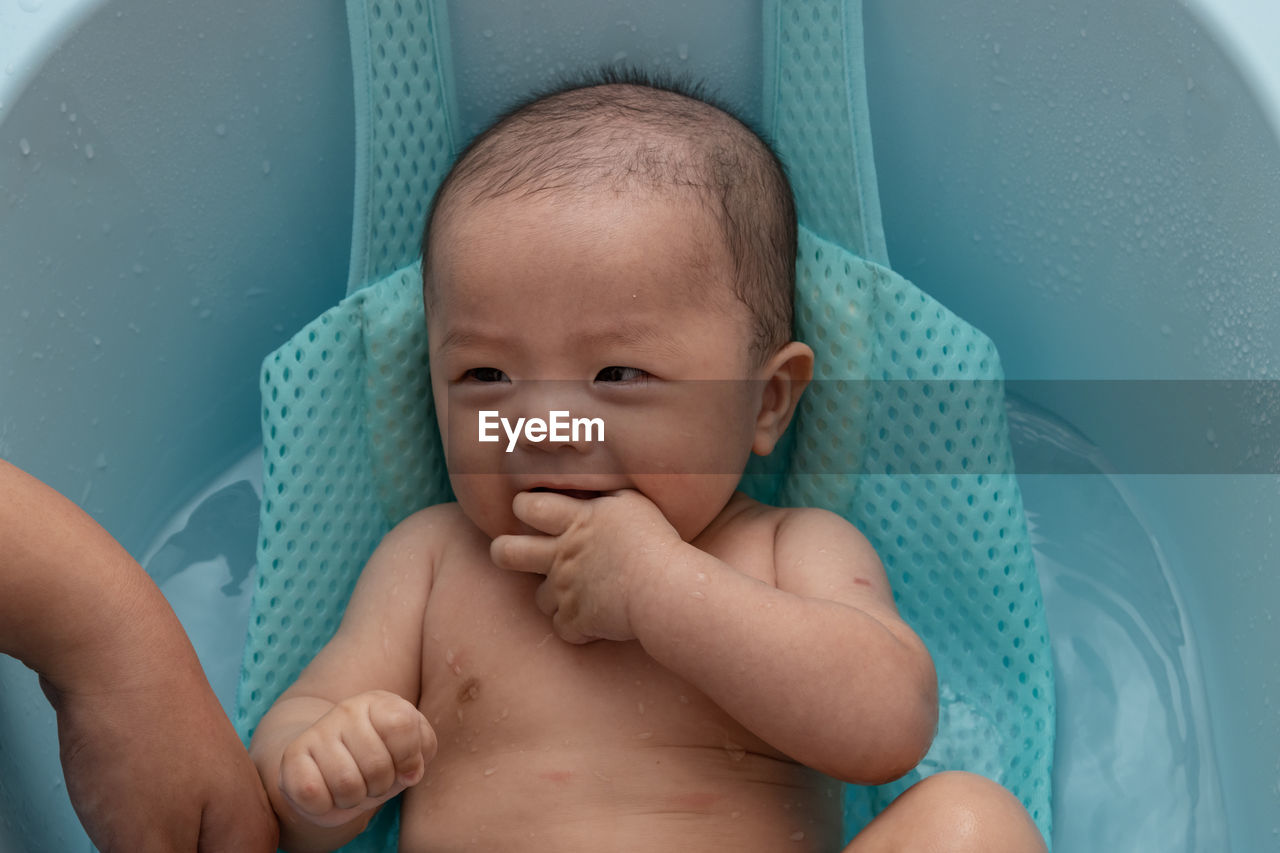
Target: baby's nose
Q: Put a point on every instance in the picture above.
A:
(557, 418)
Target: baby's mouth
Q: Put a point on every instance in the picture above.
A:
(580, 494)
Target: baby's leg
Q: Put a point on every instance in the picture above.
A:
(952, 813)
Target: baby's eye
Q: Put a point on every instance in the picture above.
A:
(485, 374)
(615, 373)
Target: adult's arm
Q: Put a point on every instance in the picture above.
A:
(151, 761)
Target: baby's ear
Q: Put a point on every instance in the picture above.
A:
(785, 376)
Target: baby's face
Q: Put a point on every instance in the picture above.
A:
(611, 308)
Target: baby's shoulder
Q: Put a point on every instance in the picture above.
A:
(794, 531)
(803, 521)
(790, 521)
(432, 530)
(820, 553)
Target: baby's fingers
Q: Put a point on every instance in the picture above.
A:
(534, 554)
(547, 511)
(323, 785)
(302, 783)
(343, 777)
(408, 739)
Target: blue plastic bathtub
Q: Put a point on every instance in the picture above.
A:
(1096, 185)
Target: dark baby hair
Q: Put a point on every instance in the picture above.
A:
(622, 129)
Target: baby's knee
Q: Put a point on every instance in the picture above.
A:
(967, 812)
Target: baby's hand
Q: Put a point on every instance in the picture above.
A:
(356, 757)
(595, 554)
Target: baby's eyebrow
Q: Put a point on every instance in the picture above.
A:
(623, 334)
(631, 334)
(456, 338)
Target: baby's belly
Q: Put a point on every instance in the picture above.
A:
(646, 797)
(547, 746)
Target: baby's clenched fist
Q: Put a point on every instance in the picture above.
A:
(363, 752)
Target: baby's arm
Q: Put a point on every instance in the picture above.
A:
(347, 735)
(820, 666)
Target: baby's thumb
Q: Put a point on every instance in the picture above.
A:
(414, 769)
(429, 743)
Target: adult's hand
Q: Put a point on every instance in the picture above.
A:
(150, 759)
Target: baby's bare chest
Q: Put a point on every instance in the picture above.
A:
(496, 677)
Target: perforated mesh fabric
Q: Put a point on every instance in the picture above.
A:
(955, 545)
(404, 131)
(351, 447)
(815, 112)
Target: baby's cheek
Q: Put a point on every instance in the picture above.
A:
(485, 504)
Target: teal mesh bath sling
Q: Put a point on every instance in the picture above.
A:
(904, 433)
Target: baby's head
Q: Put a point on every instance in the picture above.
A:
(632, 249)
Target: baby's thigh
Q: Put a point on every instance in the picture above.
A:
(952, 812)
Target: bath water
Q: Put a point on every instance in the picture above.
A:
(203, 561)
(1134, 766)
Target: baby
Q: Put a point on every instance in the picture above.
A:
(602, 645)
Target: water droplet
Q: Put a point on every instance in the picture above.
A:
(644, 735)
(735, 751)
(487, 34)
(30, 5)
(682, 51)
(266, 167)
(101, 462)
(619, 57)
(221, 130)
(25, 147)
(1166, 330)
(88, 152)
(796, 836)
(489, 771)
(697, 593)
